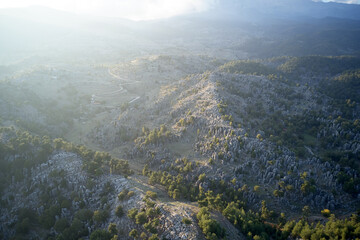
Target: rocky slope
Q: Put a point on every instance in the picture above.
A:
(260, 130)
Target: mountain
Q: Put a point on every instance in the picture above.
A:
(259, 10)
(241, 122)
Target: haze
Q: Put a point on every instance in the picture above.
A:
(129, 9)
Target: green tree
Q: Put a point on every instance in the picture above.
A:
(100, 234)
(307, 187)
(202, 177)
(152, 178)
(306, 211)
(119, 211)
(141, 218)
(154, 237)
(133, 233)
(24, 226)
(278, 193)
(132, 213)
(61, 224)
(326, 212)
(84, 214)
(151, 194)
(48, 217)
(176, 194)
(282, 219)
(145, 170)
(100, 216)
(210, 227)
(143, 235)
(123, 195)
(112, 228)
(233, 181)
(265, 213)
(303, 175)
(186, 221)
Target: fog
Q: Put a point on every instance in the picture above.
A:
(42, 30)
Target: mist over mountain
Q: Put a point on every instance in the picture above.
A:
(259, 10)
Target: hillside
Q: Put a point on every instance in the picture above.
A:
(261, 130)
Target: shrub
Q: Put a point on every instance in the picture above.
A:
(100, 216)
(154, 237)
(133, 233)
(61, 224)
(123, 195)
(119, 211)
(132, 213)
(186, 221)
(151, 194)
(112, 229)
(84, 214)
(202, 177)
(130, 194)
(141, 218)
(100, 234)
(325, 212)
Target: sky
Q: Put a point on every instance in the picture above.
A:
(130, 9)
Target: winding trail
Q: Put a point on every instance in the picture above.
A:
(121, 88)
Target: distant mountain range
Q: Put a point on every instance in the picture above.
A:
(260, 28)
(257, 10)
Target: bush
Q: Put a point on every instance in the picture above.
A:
(143, 235)
(100, 216)
(132, 213)
(48, 217)
(202, 177)
(141, 218)
(210, 227)
(133, 233)
(84, 214)
(119, 211)
(123, 195)
(151, 194)
(61, 224)
(151, 226)
(112, 228)
(100, 234)
(151, 213)
(154, 237)
(23, 227)
(130, 194)
(186, 221)
(325, 212)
